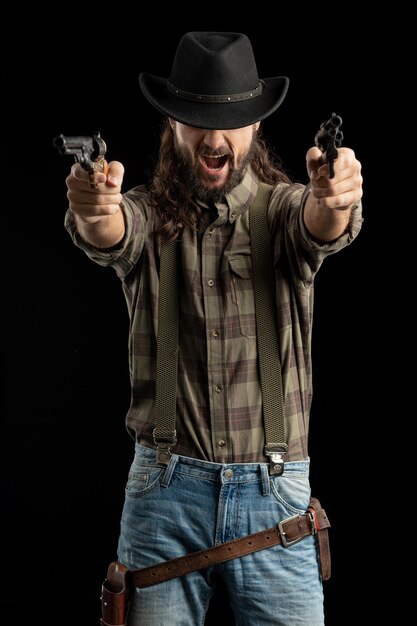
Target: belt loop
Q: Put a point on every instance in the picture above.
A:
(266, 489)
(169, 470)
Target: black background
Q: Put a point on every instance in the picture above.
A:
(65, 388)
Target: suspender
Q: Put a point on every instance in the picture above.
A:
(267, 331)
(164, 434)
(267, 336)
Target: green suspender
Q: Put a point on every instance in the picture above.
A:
(267, 331)
(164, 434)
(267, 336)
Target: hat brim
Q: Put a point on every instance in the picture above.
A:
(221, 116)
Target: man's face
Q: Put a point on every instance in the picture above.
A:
(213, 161)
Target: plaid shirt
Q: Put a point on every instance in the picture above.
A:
(219, 401)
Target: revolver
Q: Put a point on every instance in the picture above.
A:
(328, 138)
(88, 151)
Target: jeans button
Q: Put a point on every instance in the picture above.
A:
(228, 473)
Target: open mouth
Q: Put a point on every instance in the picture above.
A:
(214, 164)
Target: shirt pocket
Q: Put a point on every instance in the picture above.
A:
(242, 292)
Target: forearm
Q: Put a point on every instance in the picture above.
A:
(324, 223)
(102, 232)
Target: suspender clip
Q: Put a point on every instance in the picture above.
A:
(276, 453)
(164, 443)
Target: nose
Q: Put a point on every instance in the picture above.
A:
(214, 139)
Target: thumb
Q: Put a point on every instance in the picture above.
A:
(115, 174)
(313, 161)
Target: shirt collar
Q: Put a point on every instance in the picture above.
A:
(240, 198)
(243, 195)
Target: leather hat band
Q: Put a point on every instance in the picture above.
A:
(233, 97)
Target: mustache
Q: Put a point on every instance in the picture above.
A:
(217, 152)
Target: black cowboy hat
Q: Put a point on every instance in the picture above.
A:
(214, 83)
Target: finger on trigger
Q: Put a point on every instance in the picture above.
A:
(99, 177)
(323, 170)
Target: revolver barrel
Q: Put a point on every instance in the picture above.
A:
(328, 138)
(88, 151)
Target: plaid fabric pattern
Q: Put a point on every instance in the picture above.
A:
(219, 402)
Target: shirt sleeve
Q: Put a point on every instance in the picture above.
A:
(126, 254)
(291, 237)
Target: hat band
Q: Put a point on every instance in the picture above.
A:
(233, 97)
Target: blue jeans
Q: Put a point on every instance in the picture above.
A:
(192, 504)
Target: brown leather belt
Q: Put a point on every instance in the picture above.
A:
(287, 533)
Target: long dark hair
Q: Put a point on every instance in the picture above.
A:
(170, 196)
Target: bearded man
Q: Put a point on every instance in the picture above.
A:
(214, 474)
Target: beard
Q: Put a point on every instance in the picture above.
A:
(189, 171)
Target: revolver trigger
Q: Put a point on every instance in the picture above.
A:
(92, 180)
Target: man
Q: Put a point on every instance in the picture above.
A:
(217, 480)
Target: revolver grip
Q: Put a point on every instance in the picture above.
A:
(99, 166)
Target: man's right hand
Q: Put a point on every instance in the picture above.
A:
(88, 204)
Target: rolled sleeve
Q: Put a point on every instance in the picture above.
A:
(125, 254)
(329, 247)
(292, 239)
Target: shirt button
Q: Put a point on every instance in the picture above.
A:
(211, 231)
(217, 389)
(210, 283)
(221, 443)
(214, 334)
(228, 473)
(233, 214)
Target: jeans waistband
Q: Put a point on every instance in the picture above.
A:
(232, 472)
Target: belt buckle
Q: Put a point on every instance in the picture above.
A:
(285, 542)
